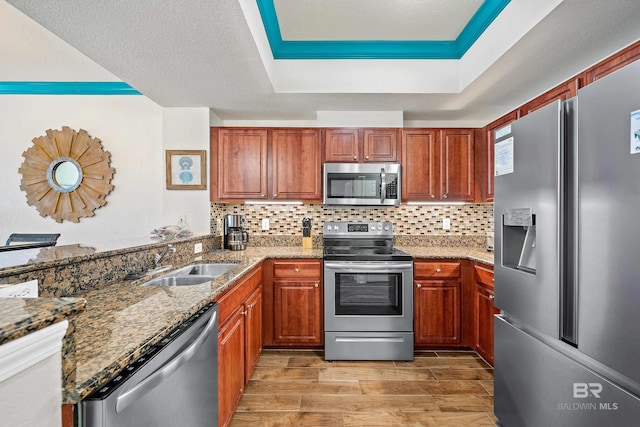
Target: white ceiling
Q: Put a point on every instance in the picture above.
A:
(208, 53)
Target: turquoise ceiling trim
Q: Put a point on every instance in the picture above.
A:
(378, 49)
(66, 88)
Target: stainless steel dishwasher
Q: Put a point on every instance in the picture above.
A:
(175, 383)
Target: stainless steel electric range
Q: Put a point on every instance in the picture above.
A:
(368, 293)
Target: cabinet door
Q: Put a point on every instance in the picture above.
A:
(297, 164)
(231, 357)
(242, 164)
(298, 312)
(380, 145)
(342, 145)
(419, 174)
(616, 61)
(561, 92)
(456, 163)
(483, 330)
(253, 333)
(437, 312)
(487, 154)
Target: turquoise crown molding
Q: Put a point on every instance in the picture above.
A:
(66, 88)
(378, 49)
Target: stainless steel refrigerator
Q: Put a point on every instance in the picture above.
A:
(567, 260)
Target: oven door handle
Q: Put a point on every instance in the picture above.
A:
(383, 186)
(368, 266)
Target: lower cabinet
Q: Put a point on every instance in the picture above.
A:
(293, 303)
(239, 341)
(483, 309)
(437, 303)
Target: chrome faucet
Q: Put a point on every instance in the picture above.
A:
(157, 259)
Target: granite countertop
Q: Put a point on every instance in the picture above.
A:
(451, 252)
(123, 320)
(21, 316)
(116, 323)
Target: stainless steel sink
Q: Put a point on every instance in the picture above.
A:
(209, 270)
(177, 281)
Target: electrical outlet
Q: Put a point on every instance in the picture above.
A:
(446, 224)
(197, 248)
(265, 224)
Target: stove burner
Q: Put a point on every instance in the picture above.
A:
(351, 241)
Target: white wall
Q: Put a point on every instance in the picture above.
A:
(130, 128)
(187, 129)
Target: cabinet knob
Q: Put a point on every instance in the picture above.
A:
(366, 157)
(491, 297)
(296, 269)
(261, 194)
(418, 285)
(315, 285)
(355, 157)
(275, 194)
(244, 313)
(444, 196)
(433, 196)
(438, 270)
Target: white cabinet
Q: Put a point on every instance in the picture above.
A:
(31, 378)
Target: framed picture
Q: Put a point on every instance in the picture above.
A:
(186, 169)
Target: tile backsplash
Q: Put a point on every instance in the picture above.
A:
(411, 220)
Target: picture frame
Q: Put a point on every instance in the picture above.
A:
(186, 169)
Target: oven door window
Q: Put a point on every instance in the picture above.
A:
(370, 294)
(353, 186)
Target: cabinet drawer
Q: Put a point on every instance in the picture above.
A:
(297, 269)
(483, 275)
(436, 269)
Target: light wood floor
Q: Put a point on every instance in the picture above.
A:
(299, 388)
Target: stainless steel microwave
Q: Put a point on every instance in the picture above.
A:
(362, 184)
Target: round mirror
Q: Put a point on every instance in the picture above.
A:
(64, 174)
(78, 172)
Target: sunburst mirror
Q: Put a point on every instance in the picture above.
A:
(66, 174)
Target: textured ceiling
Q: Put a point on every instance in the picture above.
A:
(203, 53)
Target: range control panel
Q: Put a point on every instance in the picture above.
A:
(355, 229)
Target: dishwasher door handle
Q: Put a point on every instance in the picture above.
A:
(153, 380)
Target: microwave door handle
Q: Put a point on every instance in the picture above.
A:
(383, 185)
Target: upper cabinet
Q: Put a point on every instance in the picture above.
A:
(562, 92)
(438, 165)
(485, 155)
(240, 159)
(297, 164)
(351, 145)
(613, 63)
(265, 164)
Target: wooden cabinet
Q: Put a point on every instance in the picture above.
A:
(253, 333)
(353, 145)
(239, 340)
(240, 159)
(438, 165)
(265, 164)
(296, 164)
(293, 303)
(437, 303)
(231, 366)
(486, 156)
(624, 57)
(562, 92)
(483, 309)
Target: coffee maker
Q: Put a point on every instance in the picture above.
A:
(235, 236)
